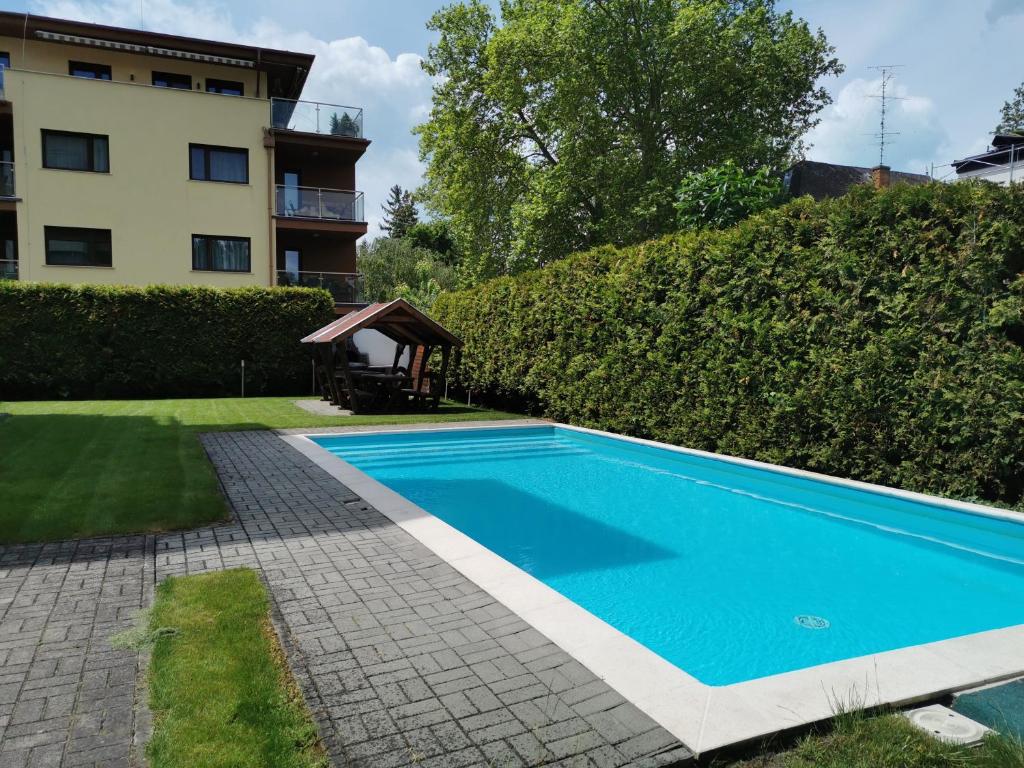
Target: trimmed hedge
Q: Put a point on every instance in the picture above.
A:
(877, 336)
(93, 341)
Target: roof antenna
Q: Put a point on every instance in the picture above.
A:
(888, 73)
(142, 18)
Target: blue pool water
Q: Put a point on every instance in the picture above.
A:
(729, 572)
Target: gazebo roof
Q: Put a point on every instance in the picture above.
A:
(399, 320)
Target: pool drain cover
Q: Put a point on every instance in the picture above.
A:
(946, 725)
(807, 621)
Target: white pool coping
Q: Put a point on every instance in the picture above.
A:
(703, 717)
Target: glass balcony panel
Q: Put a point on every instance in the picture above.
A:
(315, 203)
(6, 179)
(345, 287)
(316, 117)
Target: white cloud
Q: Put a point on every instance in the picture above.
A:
(393, 92)
(846, 132)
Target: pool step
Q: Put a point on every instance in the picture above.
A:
(946, 725)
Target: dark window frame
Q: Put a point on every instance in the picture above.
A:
(92, 150)
(92, 237)
(169, 77)
(216, 85)
(206, 149)
(98, 70)
(209, 239)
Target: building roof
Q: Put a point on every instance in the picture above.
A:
(822, 180)
(286, 70)
(1005, 147)
(399, 320)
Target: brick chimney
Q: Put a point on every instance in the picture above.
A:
(880, 177)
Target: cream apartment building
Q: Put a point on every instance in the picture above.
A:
(136, 158)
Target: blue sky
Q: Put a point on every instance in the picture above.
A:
(962, 59)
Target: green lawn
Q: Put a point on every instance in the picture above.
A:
(219, 687)
(887, 741)
(71, 469)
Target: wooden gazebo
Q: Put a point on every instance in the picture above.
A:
(361, 387)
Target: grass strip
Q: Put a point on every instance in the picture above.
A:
(219, 687)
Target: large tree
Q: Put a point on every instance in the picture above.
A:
(572, 122)
(399, 212)
(1011, 116)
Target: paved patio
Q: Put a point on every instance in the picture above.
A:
(402, 660)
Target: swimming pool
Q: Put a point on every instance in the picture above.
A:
(728, 570)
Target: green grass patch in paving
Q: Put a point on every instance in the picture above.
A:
(219, 687)
(886, 741)
(72, 469)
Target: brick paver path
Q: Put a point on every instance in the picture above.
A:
(402, 660)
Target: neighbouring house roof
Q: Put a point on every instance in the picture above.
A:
(286, 70)
(1005, 147)
(399, 320)
(821, 180)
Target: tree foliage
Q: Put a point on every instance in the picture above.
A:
(399, 212)
(435, 236)
(725, 195)
(572, 122)
(878, 336)
(1011, 116)
(397, 268)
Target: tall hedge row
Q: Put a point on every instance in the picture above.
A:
(93, 341)
(878, 336)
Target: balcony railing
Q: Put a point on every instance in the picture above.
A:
(345, 287)
(8, 269)
(6, 178)
(316, 117)
(316, 203)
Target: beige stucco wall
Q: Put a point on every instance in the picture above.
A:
(41, 56)
(147, 200)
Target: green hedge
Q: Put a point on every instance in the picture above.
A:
(91, 341)
(878, 336)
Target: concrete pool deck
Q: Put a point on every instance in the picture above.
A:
(401, 658)
(702, 717)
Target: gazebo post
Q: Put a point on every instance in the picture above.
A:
(353, 398)
(399, 349)
(325, 356)
(423, 367)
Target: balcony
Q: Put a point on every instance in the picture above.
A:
(345, 287)
(317, 203)
(8, 269)
(316, 117)
(7, 179)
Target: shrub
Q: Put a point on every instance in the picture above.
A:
(878, 336)
(92, 341)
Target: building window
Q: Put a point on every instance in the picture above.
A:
(5, 59)
(76, 151)
(77, 247)
(171, 80)
(226, 87)
(88, 70)
(207, 163)
(213, 253)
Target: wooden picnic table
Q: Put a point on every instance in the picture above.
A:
(387, 387)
